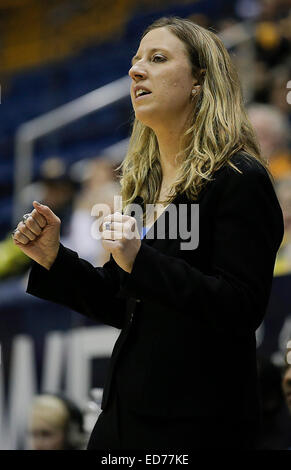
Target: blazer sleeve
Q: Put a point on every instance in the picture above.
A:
(248, 230)
(75, 283)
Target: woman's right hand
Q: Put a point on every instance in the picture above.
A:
(39, 236)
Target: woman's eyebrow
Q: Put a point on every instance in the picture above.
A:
(154, 49)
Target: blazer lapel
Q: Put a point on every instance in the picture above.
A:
(161, 224)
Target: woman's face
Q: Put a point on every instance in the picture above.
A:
(161, 65)
(44, 436)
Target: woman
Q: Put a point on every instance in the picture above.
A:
(55, 423)
(183, 370)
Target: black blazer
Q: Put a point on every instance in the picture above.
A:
(187, 345)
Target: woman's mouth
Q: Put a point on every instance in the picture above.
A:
(138, 98)
(141, 92)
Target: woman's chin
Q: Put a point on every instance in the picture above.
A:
(146, 118)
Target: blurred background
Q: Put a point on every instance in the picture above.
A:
(65, 118)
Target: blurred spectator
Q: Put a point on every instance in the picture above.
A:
(278, 91)
(272, 129)
(273, 9)
(284, 24)
(56, 188)
(55, 423)
(274, 430)
(271, 47)
(99, 186)
(283, 260)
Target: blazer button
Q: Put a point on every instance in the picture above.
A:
(131, 317)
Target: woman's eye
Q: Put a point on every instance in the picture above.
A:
(159, 58)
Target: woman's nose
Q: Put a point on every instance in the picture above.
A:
(137, 72)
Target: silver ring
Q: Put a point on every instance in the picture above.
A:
(25, 217)
(107, 225)
(14, 231)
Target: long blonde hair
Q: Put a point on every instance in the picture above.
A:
(218, 127)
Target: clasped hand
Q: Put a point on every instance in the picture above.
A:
(121, 239)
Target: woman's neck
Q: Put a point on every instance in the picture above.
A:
(168, 138)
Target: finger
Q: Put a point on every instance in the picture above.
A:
(113, 226)
(17, 243)
(46, 212)
(33, 226)
(20, 238)
(40, 219)
(21, 227)
(112, 235)
(116, 217)
(127, 228)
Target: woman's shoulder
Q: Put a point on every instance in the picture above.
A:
(242, 174)
(246, 163)
(242, 165)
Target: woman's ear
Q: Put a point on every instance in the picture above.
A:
(198, 82)
(202, 74)
(195, 89)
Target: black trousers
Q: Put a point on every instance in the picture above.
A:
(119, 428)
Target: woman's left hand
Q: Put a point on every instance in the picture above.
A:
(122, 239)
